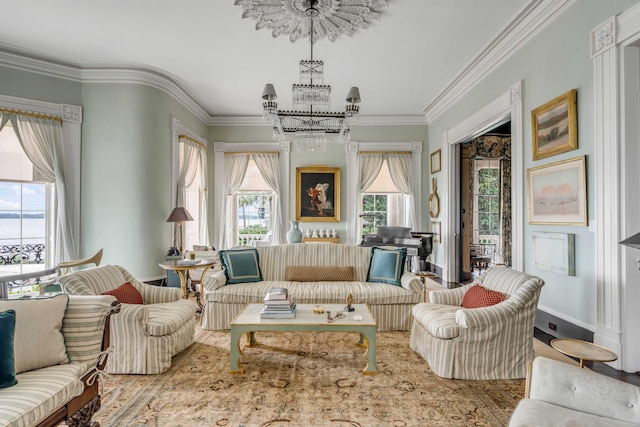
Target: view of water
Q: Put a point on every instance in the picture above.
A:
(33, 230)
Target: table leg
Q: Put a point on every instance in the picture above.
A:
(251, 340)
(370, 352)
(235, 351)
(183, 284)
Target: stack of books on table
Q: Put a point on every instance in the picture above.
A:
(278, 305)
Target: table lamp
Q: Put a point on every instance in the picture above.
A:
(179, 215)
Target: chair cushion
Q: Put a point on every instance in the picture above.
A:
(438, 320)
(531, 412)
(38, 324)
(317, 273)
(477, 297)
(126, 294)
(7, 361)
(386, 265)
(241, 266)
(166, 318)
(39, 393)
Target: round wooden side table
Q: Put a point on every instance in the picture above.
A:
(583, 350)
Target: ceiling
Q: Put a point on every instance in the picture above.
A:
(401, 63)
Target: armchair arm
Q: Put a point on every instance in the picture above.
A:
(83, 326)
(411, 282)
(215, 280)
(583, 390)
(157, 294)
(485, 316)
(448, 296)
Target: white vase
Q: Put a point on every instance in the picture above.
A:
(294, 235)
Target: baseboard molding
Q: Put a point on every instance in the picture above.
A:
(563, 328)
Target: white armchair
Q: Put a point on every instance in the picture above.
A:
(558, 394)
(492, 342)
(144, 337)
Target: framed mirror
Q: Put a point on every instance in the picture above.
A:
(434, 200)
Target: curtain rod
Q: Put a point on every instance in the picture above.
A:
(385, 152)
(31, 114)
(195, 141)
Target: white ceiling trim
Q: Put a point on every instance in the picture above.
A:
(20, 61)
(529, 22)
(155, 79)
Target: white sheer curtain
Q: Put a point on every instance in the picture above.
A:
(192, 167)
(269, 166)
(400, 171)
(369, 165)
(41, 140)
(235, 170)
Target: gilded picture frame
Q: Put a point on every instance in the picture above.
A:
(436, 161)
(318, 194)
(557, 193)
(555, 127)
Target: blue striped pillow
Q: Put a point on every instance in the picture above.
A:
(7, 361)
(386, 265)
(241, 266)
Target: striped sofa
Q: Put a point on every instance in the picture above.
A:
(389, 304)
(492, 342)
(68, 391)
(144, 337)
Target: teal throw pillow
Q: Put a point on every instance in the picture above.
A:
(241, 266)
(7, 359)
(386, 265)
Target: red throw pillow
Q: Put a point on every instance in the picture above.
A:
(126, 294)
(477, 296)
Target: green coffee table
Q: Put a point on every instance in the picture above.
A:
(249, 322)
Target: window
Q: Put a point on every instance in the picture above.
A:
(254, 205)
(383, 204)
(26, 217)
(487, 203)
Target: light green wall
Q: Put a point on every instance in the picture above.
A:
(335, 156)
(126, 173)
(549, 65)
(39, 87)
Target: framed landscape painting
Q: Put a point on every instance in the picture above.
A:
(554, 126)
(557, 193)
(318, 194)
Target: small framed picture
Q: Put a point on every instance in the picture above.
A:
(318, 194)
(557, 193)
(436, 230)
(436, 161)
(554, 126)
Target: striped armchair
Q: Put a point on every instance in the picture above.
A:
(479, 343)
(144, 337)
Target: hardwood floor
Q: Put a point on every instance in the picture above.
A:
(601, 368)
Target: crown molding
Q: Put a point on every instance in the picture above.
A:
(525, 25)
(156, 79)
(364, 121)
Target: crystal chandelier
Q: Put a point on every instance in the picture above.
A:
(311, 119)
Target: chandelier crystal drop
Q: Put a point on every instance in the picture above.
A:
(311, 118)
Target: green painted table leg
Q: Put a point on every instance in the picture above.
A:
(370, 352)
(236, 334)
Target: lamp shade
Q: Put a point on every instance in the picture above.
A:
(632, 242)
(179, 215)
(354, 95)
(269, 93)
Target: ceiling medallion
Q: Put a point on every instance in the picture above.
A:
(335, 17)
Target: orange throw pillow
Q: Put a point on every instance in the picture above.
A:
(126, 294)
(477, 297)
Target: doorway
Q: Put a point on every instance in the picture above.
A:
(485, 202)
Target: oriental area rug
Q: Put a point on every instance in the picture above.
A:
(304, 379)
